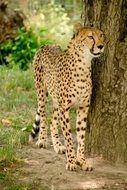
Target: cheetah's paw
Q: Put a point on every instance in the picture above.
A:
(87, 166)
(71, 166)
(60, 149)
(41, 143)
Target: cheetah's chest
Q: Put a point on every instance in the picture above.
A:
(82, 91)
(76, 87)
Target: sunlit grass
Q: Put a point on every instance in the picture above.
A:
(18, 106)
(10, 140)
(17, 96)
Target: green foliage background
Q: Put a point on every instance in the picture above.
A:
(48, 24)
(21, 49)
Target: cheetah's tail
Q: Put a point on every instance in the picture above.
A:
(35, 128)
(41, 91)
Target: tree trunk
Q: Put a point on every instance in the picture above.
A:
(108, 113)
(10, 21)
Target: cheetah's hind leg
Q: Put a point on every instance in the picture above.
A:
(57, 145)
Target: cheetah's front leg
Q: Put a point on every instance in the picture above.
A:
(70, 152)
(81, 127)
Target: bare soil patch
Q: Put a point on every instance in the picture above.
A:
(46, 169)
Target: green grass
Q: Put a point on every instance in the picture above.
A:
(10, 140)
(18, 107)
(17, 97)
(10, 182)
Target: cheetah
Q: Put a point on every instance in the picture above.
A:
(66, 76)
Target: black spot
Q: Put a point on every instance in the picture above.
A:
(81, 108)
(85, 119)
(77, 54)
(83, 128)
(67, 108)
(55, 109)
(63, 128)
(67, 120)
(55, 118)
(66, 134)
(56, 135)
(82, 136)
(64, 122)
(69, 130)
(79, 122)
(78, 129)
(69, 101)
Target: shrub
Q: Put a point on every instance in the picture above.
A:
(21, 49)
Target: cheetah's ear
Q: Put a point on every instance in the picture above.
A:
(77, 28)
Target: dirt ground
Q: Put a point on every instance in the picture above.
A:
(46, 170)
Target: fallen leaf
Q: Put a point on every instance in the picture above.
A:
(6, 122)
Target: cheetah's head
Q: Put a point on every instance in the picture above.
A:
(90, 39)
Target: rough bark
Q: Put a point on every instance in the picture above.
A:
(108, 112)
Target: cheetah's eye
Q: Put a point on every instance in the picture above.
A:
(90, 37)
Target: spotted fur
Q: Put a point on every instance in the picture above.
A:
(66, 76)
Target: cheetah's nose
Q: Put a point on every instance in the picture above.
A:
(100, 46)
